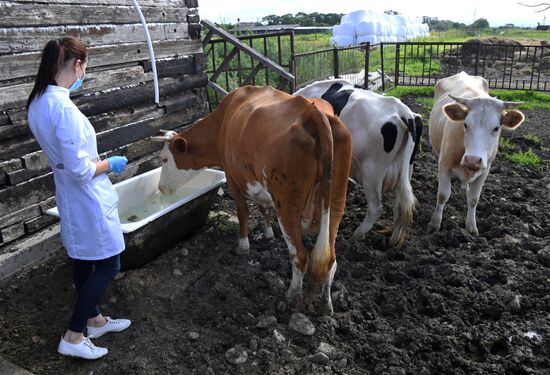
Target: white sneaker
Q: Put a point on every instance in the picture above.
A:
(112, 325)
(84, 349)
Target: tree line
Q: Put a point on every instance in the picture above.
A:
(436, 24)
(304, 19)
(331, 19)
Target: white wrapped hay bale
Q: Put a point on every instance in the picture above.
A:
(342, 41)
(346, 29)
(372, 39)
(373, 27)
(364, 28)
(358, 16)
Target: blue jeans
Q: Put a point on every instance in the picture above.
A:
(91, 278)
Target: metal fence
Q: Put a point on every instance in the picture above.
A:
(510, 66)
(232, 67)
(350, 63)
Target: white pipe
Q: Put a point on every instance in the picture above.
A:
(151, 52)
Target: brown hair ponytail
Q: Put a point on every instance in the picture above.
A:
(54, 55)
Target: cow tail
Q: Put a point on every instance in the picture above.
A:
(321, 256)
(405, 201)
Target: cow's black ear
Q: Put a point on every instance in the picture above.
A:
(180, 144)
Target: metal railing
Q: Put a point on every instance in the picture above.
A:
(350, 63)
(510, 67)
(253, 59)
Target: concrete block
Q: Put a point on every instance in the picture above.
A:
(30, 251)
(12, 232)
(36, 161)
(8, 368)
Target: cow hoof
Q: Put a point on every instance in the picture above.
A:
(293, 295)
(357, 237)
(327, 309)
(473, 231)
(433, 228)
(244, 247)
(268, 233)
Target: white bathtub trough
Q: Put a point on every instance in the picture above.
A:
(152, 222)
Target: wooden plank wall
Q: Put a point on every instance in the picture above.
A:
(117, 95)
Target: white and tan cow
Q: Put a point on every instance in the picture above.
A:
(465, 125)
(285, 154)
(385, 136)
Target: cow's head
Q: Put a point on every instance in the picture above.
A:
(173, 175)
(482, 119)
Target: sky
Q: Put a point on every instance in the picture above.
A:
(496, 12)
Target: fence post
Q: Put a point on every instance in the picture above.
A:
(396, 77)
(293, 72)
(382, 67)
(477, 59)
(366, 79)
(336, 62)
(292, 62)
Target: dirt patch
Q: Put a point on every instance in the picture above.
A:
(447, 303)
(505, 63)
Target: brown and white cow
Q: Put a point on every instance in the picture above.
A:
(466, 138)
(285, 154)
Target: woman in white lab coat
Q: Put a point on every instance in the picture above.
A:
(86, 199)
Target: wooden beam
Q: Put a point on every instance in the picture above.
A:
(14, 148)
(123, 116)
(179, 102)
(26, 64)
(142, 3)
(16, 96)
(130, 133)
(101, 102)
(26, 14)
(13, 131)
(14, 198)
(4, 119)
(137, 95)
(172, 67)
(17, 40)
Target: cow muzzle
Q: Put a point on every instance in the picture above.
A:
(165, 190)
(472, 162)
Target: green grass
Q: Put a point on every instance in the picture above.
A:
(455, 35)
(536, 139)
(506, 145)
(311, 42)
(525, 158)
(400, 91)
(530, 99)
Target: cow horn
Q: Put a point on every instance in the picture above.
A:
(164, 131)
(161, 139)
(461, 100)
(512, 104)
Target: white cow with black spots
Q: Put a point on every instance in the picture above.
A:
(385, 136)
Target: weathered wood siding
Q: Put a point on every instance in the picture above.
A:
(117, 95)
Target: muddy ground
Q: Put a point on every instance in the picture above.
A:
(447, 303)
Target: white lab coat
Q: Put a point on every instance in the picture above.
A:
(90, 226)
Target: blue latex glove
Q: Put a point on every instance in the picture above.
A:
(117, 163)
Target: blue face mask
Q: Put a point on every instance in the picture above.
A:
(76, 85)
